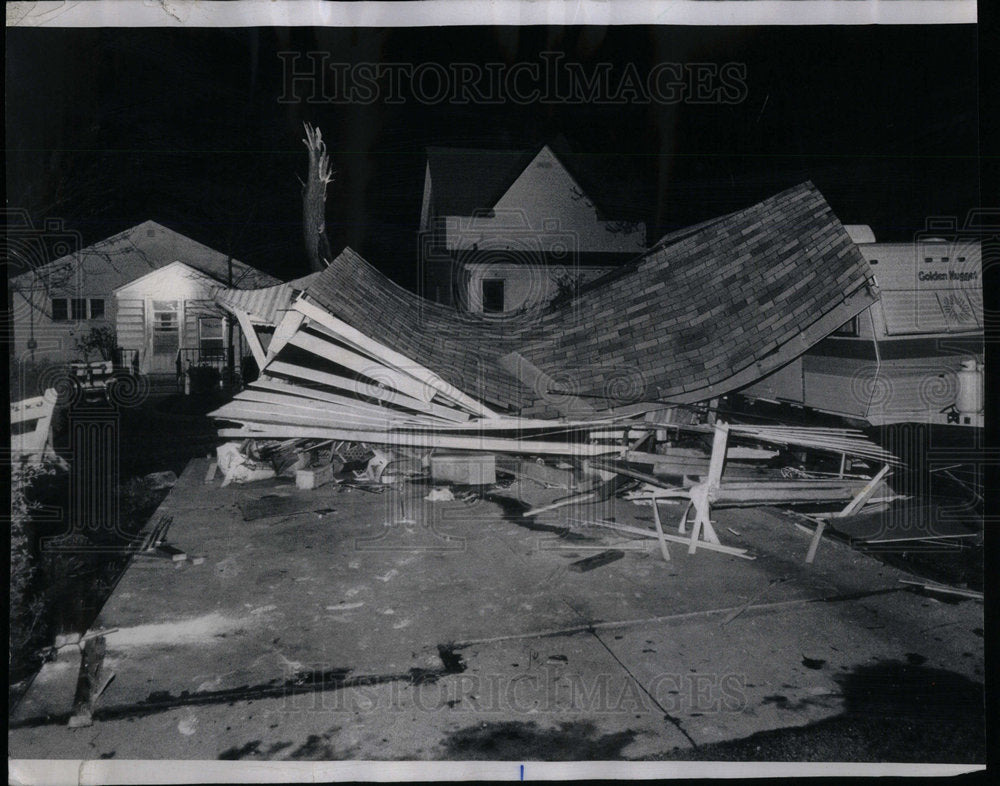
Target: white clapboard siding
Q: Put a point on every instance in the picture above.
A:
(130, 324)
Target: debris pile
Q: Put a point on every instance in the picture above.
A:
(619, 379)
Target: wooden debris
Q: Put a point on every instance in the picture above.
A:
(90, 683)
(549, 476)
(752, 600)
(155, 534)
(313, 477)
(464, 468)
(661, 537)
(210, 472)
(730, 550)
(172, 553)
(931, 586)
(596, 561)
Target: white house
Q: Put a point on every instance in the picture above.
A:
(503, 230)
(153, 285)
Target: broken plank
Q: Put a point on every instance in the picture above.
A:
(251, 337)
(354, 403)
(596, 561)
(352, 387)
(171, 552)
(284, 330)
(730, 550)
(307, 407)
(89, 684)
(943, 589)
(355, 337)
(612, 466)
(397, 438)
(369, 368)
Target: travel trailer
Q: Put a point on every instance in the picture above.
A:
(914, 356)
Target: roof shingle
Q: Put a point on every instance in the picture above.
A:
(688, 321)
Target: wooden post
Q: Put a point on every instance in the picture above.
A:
(814, 543)
(659, 529)
(88, 685)
(701, 494)
(864, 495)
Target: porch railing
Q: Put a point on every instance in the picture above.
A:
(126, 360)
(195, 357)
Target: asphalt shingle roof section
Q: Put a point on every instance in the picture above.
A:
(149, 246)
(695, 318)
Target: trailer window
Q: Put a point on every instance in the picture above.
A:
(849, 328)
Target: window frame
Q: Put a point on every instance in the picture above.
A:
(64, 308)
(503, 294)
(210, 350)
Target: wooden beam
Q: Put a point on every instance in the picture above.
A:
(732, 551)
(457, 416)
(864, 495)
(362, 365)
(352, 386)
(249, 411)
(399, 361)
(432, 439)
(283, 331)
(313, 406)
(253, 340)
(814, 542)
(661, 536)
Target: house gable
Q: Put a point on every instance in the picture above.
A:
(545, 191)
(545, 200)
(176, 281)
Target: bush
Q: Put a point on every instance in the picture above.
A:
(29, 627)
(100, 340)
(204, 380)
(249, 370)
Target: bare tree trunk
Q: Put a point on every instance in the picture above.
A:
(314, 200)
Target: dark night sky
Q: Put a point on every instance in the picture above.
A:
(110, 127)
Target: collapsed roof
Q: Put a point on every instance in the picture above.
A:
(707, 311)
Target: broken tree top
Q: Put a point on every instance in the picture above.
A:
(705, 312)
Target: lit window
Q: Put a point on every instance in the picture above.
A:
(60, 309)
(211, 336)
(166, 327)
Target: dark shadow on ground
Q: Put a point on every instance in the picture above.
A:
(893, 712)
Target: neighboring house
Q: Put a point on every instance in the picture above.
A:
(904, 359)
(153, 285)
(503, 231)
